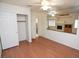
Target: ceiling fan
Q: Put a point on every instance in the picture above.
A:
(45, 5)
(66, 14)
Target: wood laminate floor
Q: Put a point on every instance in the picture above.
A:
(40, 48)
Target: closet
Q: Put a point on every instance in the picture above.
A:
(22, 25)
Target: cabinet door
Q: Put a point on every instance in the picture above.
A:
(8, 30)
(68, 28)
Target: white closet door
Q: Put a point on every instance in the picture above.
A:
(8, 29)
(22, 27)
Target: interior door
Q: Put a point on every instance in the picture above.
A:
(8, 30)
(22, 27)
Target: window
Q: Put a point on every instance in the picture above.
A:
(76, 23)
(51, 22)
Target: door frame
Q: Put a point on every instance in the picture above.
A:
(26, 22)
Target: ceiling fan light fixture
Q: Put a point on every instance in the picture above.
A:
(45, 7)
(53, 15)
(54, 12)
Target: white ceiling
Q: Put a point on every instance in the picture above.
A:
(69, 5)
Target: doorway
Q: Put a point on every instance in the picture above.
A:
(22, 27)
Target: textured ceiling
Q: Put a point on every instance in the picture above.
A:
(64, 5)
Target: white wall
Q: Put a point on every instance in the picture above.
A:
(17, 10)
(33, 24)
(40, 16)
(67, 39)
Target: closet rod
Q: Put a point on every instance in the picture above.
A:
(21, 21)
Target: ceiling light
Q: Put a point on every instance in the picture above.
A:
(53, 14)
(45, 7)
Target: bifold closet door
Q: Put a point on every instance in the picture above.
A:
(22, 28)
(8, 30)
